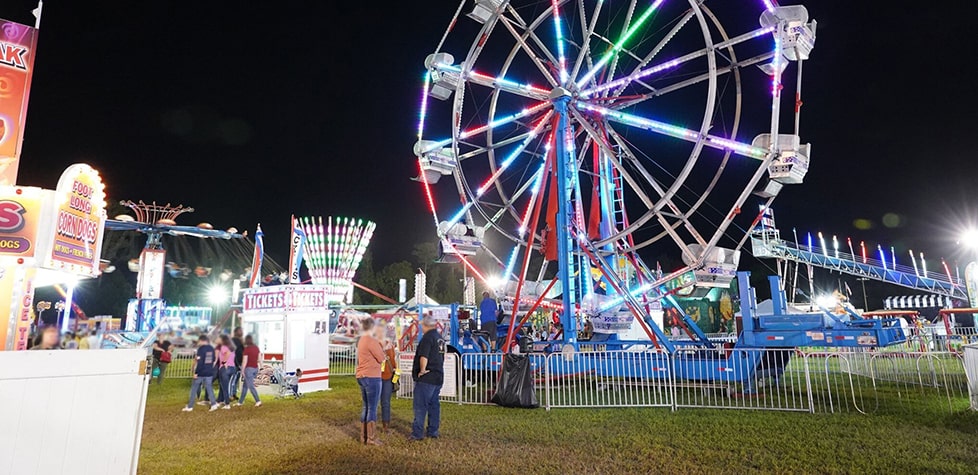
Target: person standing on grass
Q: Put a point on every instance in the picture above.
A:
(386, 376)
(203, 371)
(225, 368)
(488, 312)
(236, 338)
(370, 355)
(251, 355)
(428, 374)
(165, 358)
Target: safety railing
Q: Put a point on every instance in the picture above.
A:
(181, 365)
(770, 379)
(971, 372)
(342, 360)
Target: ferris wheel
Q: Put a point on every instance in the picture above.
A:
(588, 130)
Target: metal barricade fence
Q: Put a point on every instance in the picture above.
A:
(757, 378)
(180, 365)
(449, 389)
(342, 360)
(608, 379)
(773, 379)
(971, 372)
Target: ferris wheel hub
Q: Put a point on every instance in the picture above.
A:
(559, 92)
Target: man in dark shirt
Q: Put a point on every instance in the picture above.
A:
(429, 375)
(238, 341)
(203, 370)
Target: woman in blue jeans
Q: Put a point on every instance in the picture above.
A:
(225, 368)
(249, 365)
(370, 356)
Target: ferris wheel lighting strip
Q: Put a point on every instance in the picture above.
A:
(497, 82)
(619, 44)
(491, 125)
(502, 168)
(883, 258)
(821, 241)
(674, 131)
(424, 104)
(671, 64)
(559, 34)
(768, 5)
(537, 183)
(511, 262)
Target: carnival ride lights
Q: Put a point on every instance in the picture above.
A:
(766, 242)
(334, 249)
(528, 133)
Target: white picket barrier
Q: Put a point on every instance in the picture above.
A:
(971, 372)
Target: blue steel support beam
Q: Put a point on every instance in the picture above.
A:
(565, 249)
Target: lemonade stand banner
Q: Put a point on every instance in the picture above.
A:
(17, 44)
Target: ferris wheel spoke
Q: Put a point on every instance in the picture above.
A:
(661, 91)
(468, 133)
(645, 72)
(618, 45)
(670, 202)
(628, 21)
(674, 131)
(539, 127)
(588, 31)
(479, 149)
(654, 208)
(528, 50)
(559, 39)
(680, 24)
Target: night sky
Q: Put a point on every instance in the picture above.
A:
(250, 113)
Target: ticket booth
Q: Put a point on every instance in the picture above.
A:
(290, 324)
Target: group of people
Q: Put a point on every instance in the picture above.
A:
(376, 371)
(49, 338)
(230, 360)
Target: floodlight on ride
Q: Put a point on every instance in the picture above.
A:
(483, 10)
(826, 301)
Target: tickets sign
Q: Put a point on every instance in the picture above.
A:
(79, 222)
(286, 298)
(17, 44)
(20, 214)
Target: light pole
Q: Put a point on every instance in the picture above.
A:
(865, 300)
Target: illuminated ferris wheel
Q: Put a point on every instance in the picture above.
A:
(587, 130)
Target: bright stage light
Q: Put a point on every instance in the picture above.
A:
(495, 282)
(826, 301)
(217, 295)
(970, 238)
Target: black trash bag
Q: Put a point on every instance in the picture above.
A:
(515, 387)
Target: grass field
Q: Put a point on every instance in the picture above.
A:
(317, 434)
